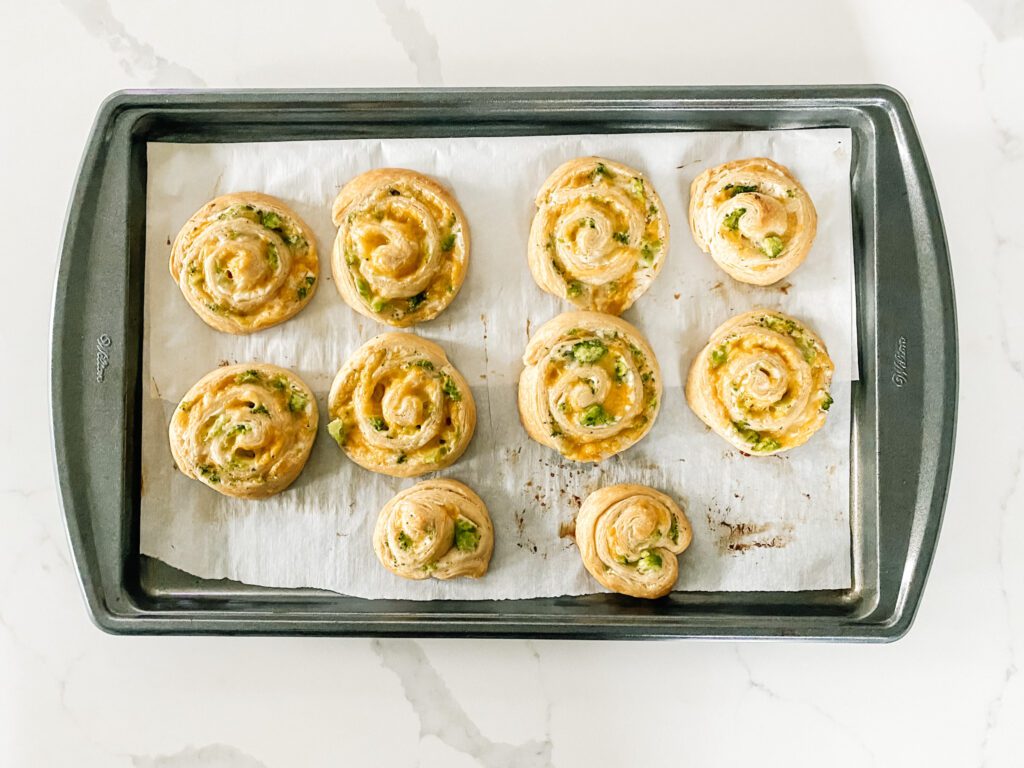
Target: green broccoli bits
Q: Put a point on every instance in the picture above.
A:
(467, 537)
(732, 220)
(589, 351)
(772, 246)
(594, 415)
(336, 429)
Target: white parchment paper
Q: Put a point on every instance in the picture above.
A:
(777, 523)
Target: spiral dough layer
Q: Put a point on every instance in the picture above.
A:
(599, 236)
(437, 529)
(591, 386)
(398, 407)
(762, 382)
(754, 218)
(245, 261)
(629, 536)
(402, 247)
(245, 430)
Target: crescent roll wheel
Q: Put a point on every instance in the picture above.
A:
(591, 386)
(402, 247)
(629, 537)
(436, 529)
(245, 262)
(762, 382)
(754, 218)
(399, 407)
(599, 236)
(245, 430)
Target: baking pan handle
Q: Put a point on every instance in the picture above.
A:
(913, 363)
(95, 358)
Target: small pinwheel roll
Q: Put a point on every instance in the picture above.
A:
(629, 537)
(762, 382)
(398, 407)
(245, 430)
(244, 262)
(754, 218)
(599, 236)
(402, 246)
(591, 386)
(437, 529)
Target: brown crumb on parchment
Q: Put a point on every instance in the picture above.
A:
(519, 518)
(742, 537)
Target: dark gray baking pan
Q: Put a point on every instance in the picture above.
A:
(904, 406)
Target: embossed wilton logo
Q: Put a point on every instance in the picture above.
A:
(103, 343)
(899, 363)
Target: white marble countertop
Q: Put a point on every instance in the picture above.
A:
(947, 694)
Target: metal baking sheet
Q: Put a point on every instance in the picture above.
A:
(903, 406)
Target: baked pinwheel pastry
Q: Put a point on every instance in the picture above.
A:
(437, 529)
(599, 236)
(629, 536)
(402, 246)
(245, 430)
(762, 382)
(398, 407)
(244, 262)
(754, 218)
(591, 387)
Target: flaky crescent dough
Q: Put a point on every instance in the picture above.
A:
(398, 407)
(762, 382)
(599, 236)
(754, 218)
(629, 536)
(402, 247)
(591, 386)
(245, 261)
(437, 529)
(245, 430)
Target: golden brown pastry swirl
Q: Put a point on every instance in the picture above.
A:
(399, 407)
(244, 262)
(600, 235)
(591, 386)
(629, 536)
(245, 430)
(762, 382)
(402, 247)
(754, 218)
(436, 529)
